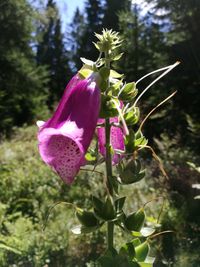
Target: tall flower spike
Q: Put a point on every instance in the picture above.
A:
(116, 139)
(64, 139)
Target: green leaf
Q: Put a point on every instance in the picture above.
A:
(141, 251)
(149, 261)
(108, 108)
(128, 92)
(119, 203)
(136, 234)
(104, 210)
(128, 249)
(114, 182)
(133, 264)
(117, 57)
(86, 218)
(133, 140)
(109, 212)
(145, 264)
(99, 36)
(11, 249)
(87, 61)
(136, 242)
(84, 73)
(115, 88)
(111, 258)
(104, 72)
(125, 261)
(115, 74)
(152, 222)
(132, 116)
(97, 46)
(131, 172)
(103, 85)
(101, 62)
(97, 203)
(89, 157)
(140, 140)
(135, 220)
(108, 259)
(129, 141)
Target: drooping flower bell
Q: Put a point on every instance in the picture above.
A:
(116, 139)
(65, 138)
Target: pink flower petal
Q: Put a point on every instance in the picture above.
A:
(64, 139)
(116, 139)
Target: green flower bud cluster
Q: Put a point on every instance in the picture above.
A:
(108, 41)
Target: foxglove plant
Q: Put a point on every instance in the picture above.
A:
(98, 98)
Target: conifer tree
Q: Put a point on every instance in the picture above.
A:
(144, 50)
(77, 31)
(182, 26)
(52, 53)
(22, 83)
(83, 28)
(144, 43)
(112, 9)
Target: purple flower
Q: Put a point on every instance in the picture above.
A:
(116, 139)
(65, 138)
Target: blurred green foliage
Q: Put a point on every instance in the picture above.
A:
(28, 189)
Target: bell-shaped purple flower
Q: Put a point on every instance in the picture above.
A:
(65, 138)
(116, 139)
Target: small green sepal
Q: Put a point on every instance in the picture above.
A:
(128, 249)
(128, 92)
(119, 203)
(86, 218)
(108, 108)
(135, 220)
(130, 172)
(104, 210)
(142, 251)
(87, 62)
(85, 72)
(109, 209)
(132, 117)
(117, 57)
(140, 140)
(115, 74)
(104, 72)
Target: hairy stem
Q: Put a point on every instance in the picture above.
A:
(110, 225)
(110, 234)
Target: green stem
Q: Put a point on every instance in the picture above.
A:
(110, 232)
(110, 225)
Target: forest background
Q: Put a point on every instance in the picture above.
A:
(37, 59)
